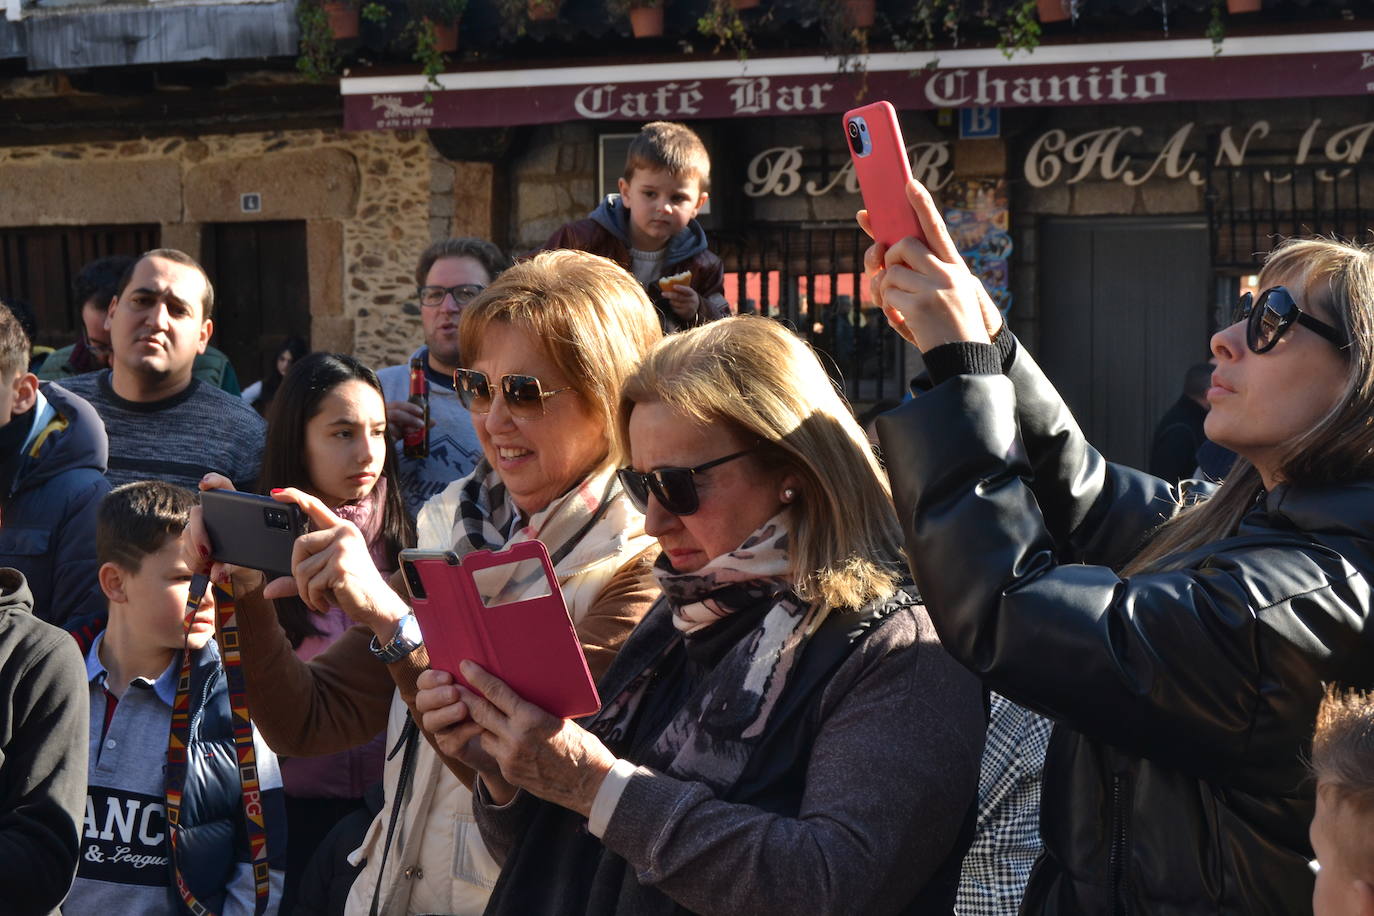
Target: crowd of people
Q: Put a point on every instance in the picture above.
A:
(990, 673)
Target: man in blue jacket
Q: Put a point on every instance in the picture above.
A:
(52, 478)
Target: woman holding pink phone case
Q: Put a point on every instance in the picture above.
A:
(1180, 639)
(782, 733)
(545, 347)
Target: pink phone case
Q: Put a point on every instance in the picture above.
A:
(883, 169)
(531, 644)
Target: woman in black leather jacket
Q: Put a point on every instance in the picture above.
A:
(1184, 676)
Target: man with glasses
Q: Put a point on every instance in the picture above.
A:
(94, 288)
(449, 275)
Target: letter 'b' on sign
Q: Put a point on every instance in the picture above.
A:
(980, 123)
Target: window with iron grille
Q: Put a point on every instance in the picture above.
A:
(810, 277)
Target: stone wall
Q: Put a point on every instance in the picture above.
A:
(552, 182)
(368, 200)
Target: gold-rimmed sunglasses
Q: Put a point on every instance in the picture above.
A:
(523, 394)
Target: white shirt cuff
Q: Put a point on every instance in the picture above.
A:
(608, 796)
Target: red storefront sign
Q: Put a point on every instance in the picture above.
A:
(1273, 67)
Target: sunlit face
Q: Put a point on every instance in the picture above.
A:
(660, 205)
(538, 459)
(345, 443)
(156, 601)
(736, 497)
(441, 322)
(157, 325)
(1261, 402)
(1336, 833)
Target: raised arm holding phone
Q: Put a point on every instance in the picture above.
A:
(1179, 640)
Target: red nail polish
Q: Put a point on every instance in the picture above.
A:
(276, 490)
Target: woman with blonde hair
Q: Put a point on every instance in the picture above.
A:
(1183, 676)
(547, 346)
(783, 732)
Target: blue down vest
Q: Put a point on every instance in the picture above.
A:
(211, 839)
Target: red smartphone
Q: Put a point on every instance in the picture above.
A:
(465, 610)
(883, 168)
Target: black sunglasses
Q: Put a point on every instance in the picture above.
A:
(1270, 316)
(524, 395)
(463, 293)
(674, 488)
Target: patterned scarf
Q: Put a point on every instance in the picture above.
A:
(367, 514)
(590, 529)
(711, 737)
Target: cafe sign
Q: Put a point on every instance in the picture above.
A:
(1125, 73)
(1057, 157)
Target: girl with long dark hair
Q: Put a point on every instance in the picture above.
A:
(326, 435)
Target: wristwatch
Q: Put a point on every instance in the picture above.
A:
(406, 641)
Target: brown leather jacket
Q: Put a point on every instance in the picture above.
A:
(708, 273)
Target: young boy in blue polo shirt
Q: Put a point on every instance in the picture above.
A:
(135, 858)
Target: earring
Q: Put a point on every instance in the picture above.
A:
(788, 495)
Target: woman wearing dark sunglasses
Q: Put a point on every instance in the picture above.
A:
(1183, 675)
(783, 732)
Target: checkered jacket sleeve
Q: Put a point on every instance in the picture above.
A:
(1007, 841)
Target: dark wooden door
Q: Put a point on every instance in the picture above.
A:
(38, 264)
(262, 290)
(1125, 309)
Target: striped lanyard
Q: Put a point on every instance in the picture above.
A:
(227, 636)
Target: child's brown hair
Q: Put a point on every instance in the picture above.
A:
(139, 519)
(1343, 762)
(670, 147)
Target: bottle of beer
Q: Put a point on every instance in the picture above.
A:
(416, 443)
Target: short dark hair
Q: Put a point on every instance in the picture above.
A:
(100, 280)
(138, 519)
(1197, 380)
(1343, 747)
(480, 250)
(671, 147)
(14, 344)
(207, 302)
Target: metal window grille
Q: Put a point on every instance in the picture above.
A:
(811, 279)
(1252, 207)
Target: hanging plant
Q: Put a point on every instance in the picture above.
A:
(844, 28)
(722, 22)
(318, 59)
(1019, 28)
(434, 33)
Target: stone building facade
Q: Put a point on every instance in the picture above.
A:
(370, 201)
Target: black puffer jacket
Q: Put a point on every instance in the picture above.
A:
(1185, 700)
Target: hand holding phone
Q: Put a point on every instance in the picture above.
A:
(883, 169)
(504, 611)
(250, 530)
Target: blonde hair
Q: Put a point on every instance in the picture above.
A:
(1340, 445)
(750, 372)
(672, 148)
(591, 317)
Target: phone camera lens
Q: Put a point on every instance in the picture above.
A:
(853, 128)
(417, 588)
(277, 518)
